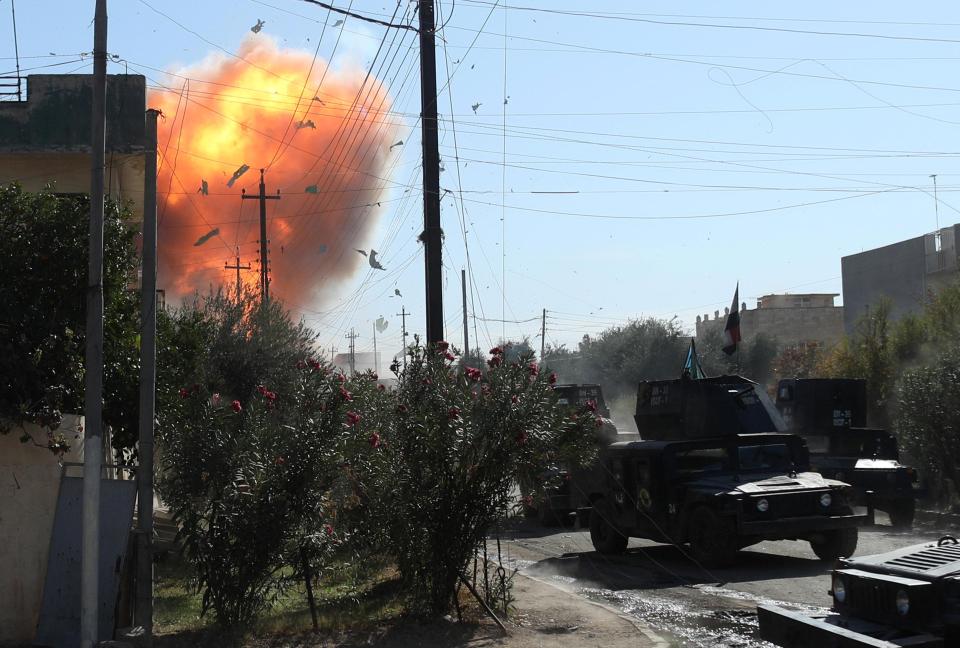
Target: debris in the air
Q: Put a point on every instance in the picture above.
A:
(396, 291)
(373, 261)
(363, 252)
(507, 100)
(206, 237)
(322, 249)
(256, 28)
(338, 23)
(204, 188)
(471, 67)
(316, 98)
(308, 123)
(475, 106)
(381, 324)
(236, 174)
(311, 189)
(395, 144)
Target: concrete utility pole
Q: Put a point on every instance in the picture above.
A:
(376, 363)
(264, 252)
(353, 360)
(431, 174)
(93, 381)
(463, 291)
(148, 384)
(236, 266)
(403, 332)
(543, 334)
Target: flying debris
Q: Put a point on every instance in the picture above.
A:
(338, 23)
(256, 28)
(395, 144)
(204, 188)
(507, 100)
(471, 67)
(322, 249)
(475, 106)
(373, 261)
(311, 189)
(381, 324)
(363, 252)
(236, 174)
(308, 123)
(396, 291)
(206, 237)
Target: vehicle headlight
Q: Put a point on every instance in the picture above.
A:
(839, 589)
(903, 603)
(826, 500)
(763, 505)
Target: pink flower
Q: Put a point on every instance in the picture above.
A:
(184, 392)
(374, 440)
(514, 399)
(236, 406)
(553, 378)
(314, 364)
(402, 408)
(453, 412)
(353, 418)
(473, 373)
(279, 461)
(215, 399)
(496, 351)
(262, 390)
(449, 356)
(442, 346)
(533, 368)
(495, 361)
(521, 438)
(329, 529)
(598, 422)
(341, 377)
(381, 387)
(345, 395)
(591, 405)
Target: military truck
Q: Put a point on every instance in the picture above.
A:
(906, 597)
(718, 473)
(831, 414)
(554, 502)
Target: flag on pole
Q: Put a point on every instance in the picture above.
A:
(731, 332)
(692, 368)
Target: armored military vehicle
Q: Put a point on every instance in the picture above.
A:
(715, 470)
(906, 597)
(831, 414)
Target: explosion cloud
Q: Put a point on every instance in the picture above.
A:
(325, 151)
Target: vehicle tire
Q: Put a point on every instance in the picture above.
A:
(546, 515)
(712, 538)
(605, 537)
(901, 513)
(838, 543)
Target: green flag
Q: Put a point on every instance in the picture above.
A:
(691, 367)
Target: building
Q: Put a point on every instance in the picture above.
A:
(362, 361)
(906, 273)
(791, 320)
(47, 137)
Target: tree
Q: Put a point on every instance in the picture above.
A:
(43, 259)
(754, 359)
(798, 361)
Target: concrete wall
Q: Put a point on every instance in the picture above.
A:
(29, 484)
(789, 326)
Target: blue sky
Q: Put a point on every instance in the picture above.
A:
(646, 166)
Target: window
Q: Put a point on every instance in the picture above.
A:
(772, 456)
(702, 460)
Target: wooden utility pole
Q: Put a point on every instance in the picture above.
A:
(431, 174)
(93, 380)
(148, 383)
(543, 334)
(403, 332)
(463, 291)
(264, 252)
(353, 360)
(236, 266)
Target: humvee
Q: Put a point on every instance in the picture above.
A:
(722, 475)
(831, 414)
(906, 597)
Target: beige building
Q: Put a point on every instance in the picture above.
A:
(792, 320)
(46, 139)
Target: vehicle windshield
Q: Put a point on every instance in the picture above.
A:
(770, 456)
(863, 445)
(702, 460)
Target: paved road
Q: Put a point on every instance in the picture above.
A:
(664, 588)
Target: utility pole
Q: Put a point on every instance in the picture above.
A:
(936, 203)
(93, 381)
(431, 174)
(264, 260)
(403, 328)
(353, 360)
(543, 334)
(376, 363)
(463, 291)
(236, 266)
(148, 384)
